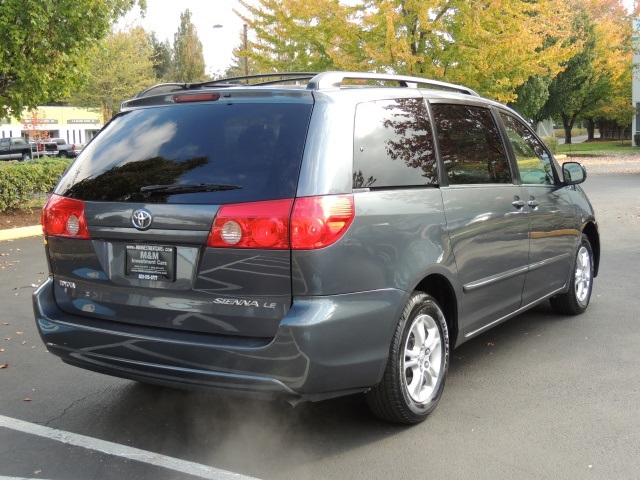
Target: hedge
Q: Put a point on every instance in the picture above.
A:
(20, 181)
(551, 143)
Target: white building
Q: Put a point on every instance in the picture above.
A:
(75, 125)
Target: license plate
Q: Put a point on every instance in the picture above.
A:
(151, 262)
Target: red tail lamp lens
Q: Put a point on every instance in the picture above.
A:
(64, 217)
(252, 225)
(318, 222)
(315, 222)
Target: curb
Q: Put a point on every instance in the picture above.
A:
(22, 232)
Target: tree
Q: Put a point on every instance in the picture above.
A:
(188, 59)
(615, 53)
(121, 66)
(44, 46)
(35, 125)
(595, 77)
(292, 35)
(161, 58)
(531, 97)
(240, 56)
(493, 47)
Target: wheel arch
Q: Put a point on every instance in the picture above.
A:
(591, 231)
(442, 291)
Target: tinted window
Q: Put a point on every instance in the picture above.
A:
(393, 145)
(533, 162)
(470, 145)
(255, 146)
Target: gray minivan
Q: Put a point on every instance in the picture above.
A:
(307, 236)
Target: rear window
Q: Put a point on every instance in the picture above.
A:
(257, 147)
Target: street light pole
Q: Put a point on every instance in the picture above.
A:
(217, 25)
(246, 56)
(245, 29)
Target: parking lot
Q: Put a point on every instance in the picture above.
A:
(540, 396)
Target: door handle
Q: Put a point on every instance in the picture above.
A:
(533, 204)
(518, 204)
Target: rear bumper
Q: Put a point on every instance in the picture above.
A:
(324, 347)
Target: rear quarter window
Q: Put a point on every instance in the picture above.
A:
(393, 145)
(257, 147)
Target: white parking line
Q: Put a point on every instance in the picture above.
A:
(18, 478)
(182, 466)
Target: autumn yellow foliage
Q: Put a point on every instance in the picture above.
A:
(491, 46)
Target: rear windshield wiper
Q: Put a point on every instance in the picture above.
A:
(182, 188)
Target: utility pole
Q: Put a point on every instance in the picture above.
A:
(246, 56)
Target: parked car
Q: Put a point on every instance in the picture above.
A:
(15, 148)
(307, 242)
(67, 150)
(47, 148)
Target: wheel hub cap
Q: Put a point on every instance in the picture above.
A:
(422, 365)
(583, 274)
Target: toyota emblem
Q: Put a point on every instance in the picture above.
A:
(141, 219)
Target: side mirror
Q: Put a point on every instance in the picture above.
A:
(573, 173)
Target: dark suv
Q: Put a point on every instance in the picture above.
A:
(303, 241)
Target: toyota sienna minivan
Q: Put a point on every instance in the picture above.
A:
(307, 236)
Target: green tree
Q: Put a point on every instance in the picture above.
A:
(44, 45)
(188, 60)
(594, 78)
(161, 57)
(531, 97)
(121, 66)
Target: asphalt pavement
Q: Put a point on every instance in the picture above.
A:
(541, 396)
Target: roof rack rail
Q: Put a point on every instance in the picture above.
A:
(316, 81)
(335, 79)
(275, 78)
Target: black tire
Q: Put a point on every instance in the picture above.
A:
(63, 154)
(576, 299)
(408, 394)
(25, 156)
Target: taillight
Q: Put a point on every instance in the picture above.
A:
(252, 225)
(64, 217)
(314, 222)
(318, 222)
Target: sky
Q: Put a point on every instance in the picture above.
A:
(163, 17)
